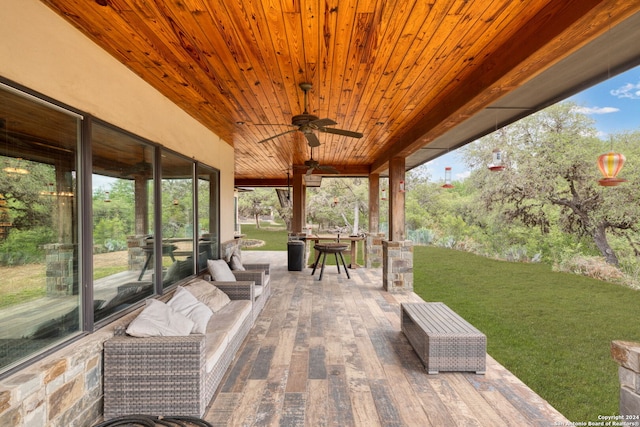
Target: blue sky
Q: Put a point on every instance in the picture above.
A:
(614, 104)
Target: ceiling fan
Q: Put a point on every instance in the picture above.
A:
(313, 164)
(308, 123)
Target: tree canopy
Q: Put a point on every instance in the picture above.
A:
(551, 177)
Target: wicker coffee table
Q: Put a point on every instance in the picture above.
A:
(443, 340)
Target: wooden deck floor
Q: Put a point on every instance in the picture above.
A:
(331, 353)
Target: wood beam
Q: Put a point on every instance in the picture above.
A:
(374, 203)
(259, 182)
(141, 192)
(299, 201)
(396, 200)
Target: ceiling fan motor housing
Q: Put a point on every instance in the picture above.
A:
(303, 119)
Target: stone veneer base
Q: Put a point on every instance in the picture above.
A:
(397, 266)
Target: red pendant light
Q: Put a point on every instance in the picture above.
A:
(610, 164)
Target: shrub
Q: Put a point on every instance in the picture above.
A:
(590, 266)
(25, 246)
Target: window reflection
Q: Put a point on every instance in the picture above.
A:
(123, 251)
(177, 218)
(39, 292)
(207, 216)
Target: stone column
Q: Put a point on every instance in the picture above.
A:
(627, 355)
(137, 256)
(373, 250)
(397, 266)
(60, 272)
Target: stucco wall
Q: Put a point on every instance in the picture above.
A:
(41, 51)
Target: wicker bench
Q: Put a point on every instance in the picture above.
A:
(443, 340)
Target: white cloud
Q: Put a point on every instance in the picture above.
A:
(597, 110)
(462, 175)
(630, 90)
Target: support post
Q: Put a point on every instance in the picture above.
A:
(373, 241)
(397, 253)
(299, 199)
(396, 200)
(141, 200)
(374, 203)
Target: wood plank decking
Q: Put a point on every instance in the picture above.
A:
(331, 353)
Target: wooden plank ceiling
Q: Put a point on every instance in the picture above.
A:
(401, 72)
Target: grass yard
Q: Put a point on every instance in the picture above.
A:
(552, 330)
(275, 237)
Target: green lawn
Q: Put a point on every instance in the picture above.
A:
(552, 330)
(275, 237)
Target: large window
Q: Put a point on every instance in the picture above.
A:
(39, 291)
(208, 241)
(123, 250)
(148, 220)
(177, 218)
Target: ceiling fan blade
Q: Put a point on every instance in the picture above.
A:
(310, 171)
(275, 136)
(328, 169)
(342, 132)
(320, 123)
(312, 139)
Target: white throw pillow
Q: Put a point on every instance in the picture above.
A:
(220, 271)
(208, 293)
(185, 303)
(236, 263)
(158, 319)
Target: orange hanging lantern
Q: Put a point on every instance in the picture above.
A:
(610, 164)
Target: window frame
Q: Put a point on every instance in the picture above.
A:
(84, 223)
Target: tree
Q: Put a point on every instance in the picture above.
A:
(258, 202)
(551, 170)
(333, 205)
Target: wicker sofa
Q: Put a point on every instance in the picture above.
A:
(177, 375)
(259, 274)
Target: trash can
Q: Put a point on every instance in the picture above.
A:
(295, 255)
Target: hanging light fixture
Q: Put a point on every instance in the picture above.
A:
(447, 178)
(610, 164)
(383, 194)
(496, 163)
